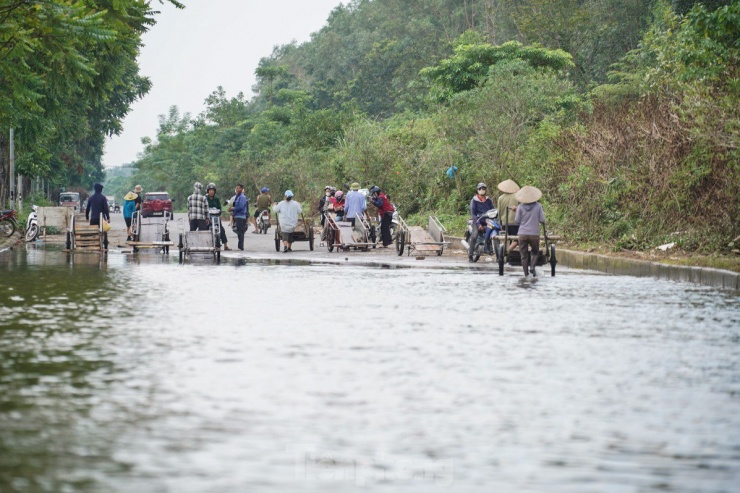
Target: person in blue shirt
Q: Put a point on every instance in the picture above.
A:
(129, 206)
(239, 210)
(354, 204)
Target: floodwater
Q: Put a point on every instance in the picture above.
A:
(143, 375)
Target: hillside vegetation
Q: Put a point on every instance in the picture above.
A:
(624, 112)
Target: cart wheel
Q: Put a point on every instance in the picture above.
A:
(167, 250)
(181, 244)
(69, 241)
(277, 241)
(218, 256)
(136, 250)
(400, 242)
(553, 260)
(310, 238)
(500, 254)
(373, 238)
(181, 255)
(330, 241)
(439, 252)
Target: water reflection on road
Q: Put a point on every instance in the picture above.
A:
(145, 375)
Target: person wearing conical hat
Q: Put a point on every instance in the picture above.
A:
(529, 215)
(129, 206)
(507, 204)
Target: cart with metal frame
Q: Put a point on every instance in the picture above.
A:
(85, 237)
(151, 232)
(201, 242)
(343, 236)
(416, 238)
(303, 232)
(514, 258)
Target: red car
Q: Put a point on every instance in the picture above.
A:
(156, 204)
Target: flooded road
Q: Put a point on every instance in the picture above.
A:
(143, 375)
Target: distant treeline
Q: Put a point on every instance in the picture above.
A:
(624, 112)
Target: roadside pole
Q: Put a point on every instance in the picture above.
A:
(12, 168)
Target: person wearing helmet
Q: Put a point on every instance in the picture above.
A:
(479, 205)
(215, 203)
(337, 204)
(385, 211)
(263, 203)
(288, 211)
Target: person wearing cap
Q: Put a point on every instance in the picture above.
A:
(198, 209)
(139, 192)
(354, 204)
(337, 204)
(479, 205)
(529, 215)
(239, 209)
(263, 203)
(288, 211)
(215, 203)
(129, 207)
(506, 206)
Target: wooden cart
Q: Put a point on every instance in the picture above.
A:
(547, 251)
(303, 232)
(84, 237)
(343, 236)
(416, 238)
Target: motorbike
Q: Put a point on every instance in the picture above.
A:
(485, 244)
(8, 222)
(215, 224)
(263, 221)
(32, 224)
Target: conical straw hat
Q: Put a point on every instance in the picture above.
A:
(528, 195)
(130, 196)
(508, 186)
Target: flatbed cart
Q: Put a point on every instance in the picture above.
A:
(303, 232)
(84, 237)
(514, 258)
(343, 236)
(151, 232)
(201, 242)
(416, 238)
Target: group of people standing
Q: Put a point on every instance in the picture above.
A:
(348, 207)
(521, 214)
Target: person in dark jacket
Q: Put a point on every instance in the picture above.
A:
(97, 204)
(529, 216)
(215, 203)
(385, 211)
(479, 205)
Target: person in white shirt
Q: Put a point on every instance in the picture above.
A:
(288, 211)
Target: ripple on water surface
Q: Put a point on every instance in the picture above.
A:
(151, 376)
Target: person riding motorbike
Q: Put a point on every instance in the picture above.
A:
(337, 203)
(215, 203)
(263, 203)
(479, 205)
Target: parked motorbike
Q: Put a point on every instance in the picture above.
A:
(32, 224)
(8, 222)
(485, 244)
(263, 222)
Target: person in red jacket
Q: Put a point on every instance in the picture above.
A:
(385, 211)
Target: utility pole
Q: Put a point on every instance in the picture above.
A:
(12, 169)
(19, 193)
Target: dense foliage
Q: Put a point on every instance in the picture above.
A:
(68, 76)
(624, 112)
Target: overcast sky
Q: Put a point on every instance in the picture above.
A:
(211, 43)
